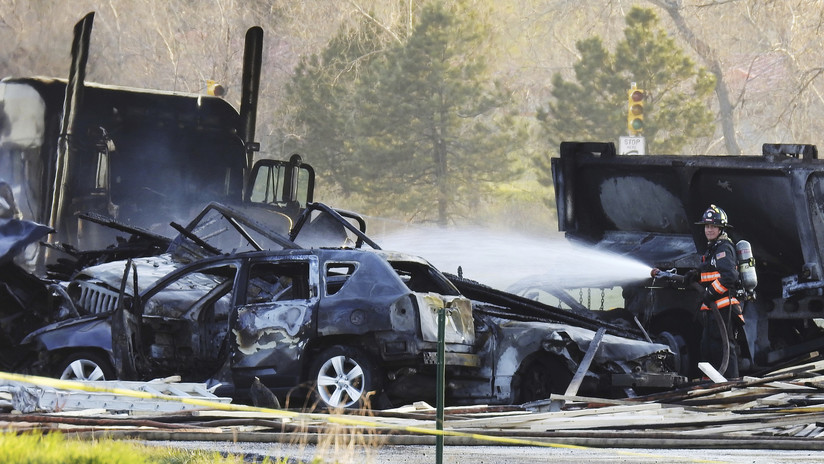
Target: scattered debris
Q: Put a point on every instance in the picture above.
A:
(107, 396)
(781, 410)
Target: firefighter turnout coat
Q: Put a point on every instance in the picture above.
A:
(718, 273)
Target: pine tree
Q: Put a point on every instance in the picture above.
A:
(323, 95)
(594, 106)
(421, 130)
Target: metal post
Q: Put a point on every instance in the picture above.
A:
(440, 385)
(583, 367)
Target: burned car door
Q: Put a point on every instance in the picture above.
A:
(273, 323)
(184, 321)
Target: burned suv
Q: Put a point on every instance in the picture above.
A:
(330, 316)
(268, 309)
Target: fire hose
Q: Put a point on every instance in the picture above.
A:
(716, 314)
(722, 332)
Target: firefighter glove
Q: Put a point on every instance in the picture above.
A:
(709, 296)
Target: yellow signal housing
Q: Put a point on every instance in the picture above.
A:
(635, 110)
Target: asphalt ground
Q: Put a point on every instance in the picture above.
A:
(418, 454)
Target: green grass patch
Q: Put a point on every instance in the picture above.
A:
(55, 448)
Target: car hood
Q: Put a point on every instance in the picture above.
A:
(556, 337)
(149, 271)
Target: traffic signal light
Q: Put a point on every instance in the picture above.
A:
(635, 111)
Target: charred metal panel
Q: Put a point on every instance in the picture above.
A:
(16, 235)
(518, 340)
(459, 325)
(515, 341)
(269, 326)
(619, 199)
(613, 349)
(90, 331)
(109, 275)
(403, 316)
(270, 335)
(363, 303)
(270, 340)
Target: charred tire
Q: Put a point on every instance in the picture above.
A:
(343, 376)
(680, 348)
(85, 365)
(538, 378)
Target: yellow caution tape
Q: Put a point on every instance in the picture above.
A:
(331, 418)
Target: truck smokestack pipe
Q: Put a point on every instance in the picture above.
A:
(71, 104)
(252, 58)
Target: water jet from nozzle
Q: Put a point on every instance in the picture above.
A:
(499, 259)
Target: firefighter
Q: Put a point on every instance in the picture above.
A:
(717, 276)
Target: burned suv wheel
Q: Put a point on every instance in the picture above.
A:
(85, 366)
(343, 376)
(539, 377)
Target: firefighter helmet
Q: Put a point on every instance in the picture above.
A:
(714, 216)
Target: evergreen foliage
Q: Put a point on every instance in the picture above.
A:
(414, 124)
(594, 105)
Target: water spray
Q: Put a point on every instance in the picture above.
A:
(500, 259)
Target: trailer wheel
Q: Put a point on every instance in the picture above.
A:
(85, 365)
(678, 344)
(343, 376)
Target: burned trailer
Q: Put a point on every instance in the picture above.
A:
(645, 207)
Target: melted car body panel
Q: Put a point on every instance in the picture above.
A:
(459, 327)
(275, 318)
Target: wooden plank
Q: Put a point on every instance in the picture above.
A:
(524, 420)
(711, 372)
(808, 367)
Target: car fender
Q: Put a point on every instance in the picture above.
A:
(85, 332)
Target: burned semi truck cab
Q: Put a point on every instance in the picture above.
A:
(141, 157)
(646, 206)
